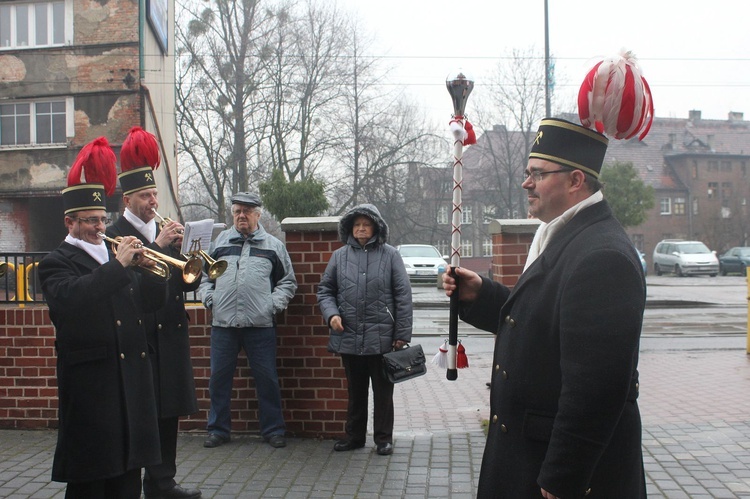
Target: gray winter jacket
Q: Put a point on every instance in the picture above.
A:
(259, 281)
(369, 288)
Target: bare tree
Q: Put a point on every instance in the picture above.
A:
(509, 114)
(220, 49)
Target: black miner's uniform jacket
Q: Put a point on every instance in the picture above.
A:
(167, 333)
(564, 415)
(107, 410)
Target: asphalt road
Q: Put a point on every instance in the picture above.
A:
(688, 313)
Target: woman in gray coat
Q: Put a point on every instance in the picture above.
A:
(365, 298)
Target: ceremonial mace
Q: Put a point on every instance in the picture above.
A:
(459, 87)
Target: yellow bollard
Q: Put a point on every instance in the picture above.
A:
(22, 277)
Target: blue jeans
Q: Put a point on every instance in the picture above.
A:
(259, 344)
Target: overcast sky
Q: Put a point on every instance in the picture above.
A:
(694, 55)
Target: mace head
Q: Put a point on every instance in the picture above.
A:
(459, 86)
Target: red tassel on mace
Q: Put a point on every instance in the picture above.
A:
(462, 361)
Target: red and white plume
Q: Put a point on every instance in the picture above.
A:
(95, 164)
(139, 149)
(615, 99)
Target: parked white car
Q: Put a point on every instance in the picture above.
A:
(422, 261)
(684, 258)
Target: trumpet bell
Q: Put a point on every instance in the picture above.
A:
(216, 269)
(191, 269)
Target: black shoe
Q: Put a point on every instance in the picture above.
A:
(385, 449)
(344, 445)
(489, 385)
(215, 440)
(175, 492)
(276, 441)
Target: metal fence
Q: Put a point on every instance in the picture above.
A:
(19, 279)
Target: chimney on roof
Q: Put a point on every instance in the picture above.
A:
(735, 116)
(710, 141)
(694, 115)
(498, 128)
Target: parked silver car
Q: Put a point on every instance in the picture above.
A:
(423, 262)
(684, 258)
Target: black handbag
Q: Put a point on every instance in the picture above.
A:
(404, 364)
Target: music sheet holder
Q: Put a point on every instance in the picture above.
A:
(202, 230)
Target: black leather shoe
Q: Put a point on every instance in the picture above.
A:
(385, 449)
(277, 441)
(175, 492)
(344, 445)
(215, 440)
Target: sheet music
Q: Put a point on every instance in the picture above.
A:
(203, 231)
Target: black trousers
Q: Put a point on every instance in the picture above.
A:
(125, 486)
(160, 477)
(360, 370)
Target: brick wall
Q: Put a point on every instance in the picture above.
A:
(313, 383)
(511, 240)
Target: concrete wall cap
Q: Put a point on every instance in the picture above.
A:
(310, 224)
(514, 226)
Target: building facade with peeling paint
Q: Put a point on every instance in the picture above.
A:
(71, 71)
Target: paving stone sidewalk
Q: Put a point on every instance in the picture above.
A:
(696, 439)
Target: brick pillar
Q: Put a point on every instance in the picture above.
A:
(511, 240)
(313, 382)
(28, 382)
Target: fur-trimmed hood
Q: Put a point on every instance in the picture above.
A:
(346, 223)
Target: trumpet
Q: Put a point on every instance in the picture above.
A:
(215, 267)
(191, 269)
(165, 220)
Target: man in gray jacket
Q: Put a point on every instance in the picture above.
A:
(365, 298)
(259, 283)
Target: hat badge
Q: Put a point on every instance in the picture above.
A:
(539, 136)
(97, 196)
(149, 177)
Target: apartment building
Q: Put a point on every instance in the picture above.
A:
(71, 71)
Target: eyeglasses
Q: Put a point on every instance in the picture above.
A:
(94, 220)
(537, 175)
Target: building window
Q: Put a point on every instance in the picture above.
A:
(637, 241)
(679, 206)
(713, 190)
(466, 215)
(695, 169)
(726, 166)
(713, 166)
(467, 249)
(666, 206)
(488, 213)
(487, 246)
(442, 217)
(36, 24)
(726, 194)
(36, 123)
(444, 247)
(743, 169)
(695, 206)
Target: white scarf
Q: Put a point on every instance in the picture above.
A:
(97, 251)
(148, 229)
(546, 231)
